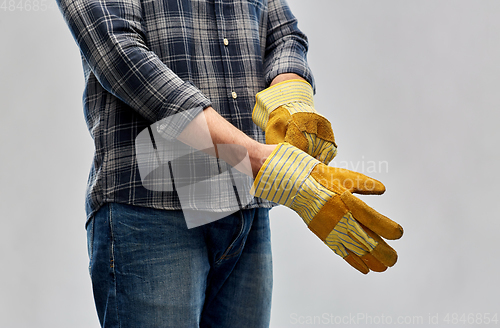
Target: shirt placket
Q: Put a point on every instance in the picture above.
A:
(226, 44)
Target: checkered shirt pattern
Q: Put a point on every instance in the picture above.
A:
(145, 60)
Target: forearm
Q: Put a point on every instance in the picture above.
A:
(220, 131)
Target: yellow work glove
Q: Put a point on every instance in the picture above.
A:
(286, 113)
(323, 198)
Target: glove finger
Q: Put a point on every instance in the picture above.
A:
(356, 262)
(277, 126)
(338, 180)
(295, 137)
(361, 242)
(351, 258)
(382, 252)
(365, 263)
(373, 220)
(373, 263)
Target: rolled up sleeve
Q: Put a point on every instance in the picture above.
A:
(286, 45)
(111, 39)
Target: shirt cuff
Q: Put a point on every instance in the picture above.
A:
(180, 108)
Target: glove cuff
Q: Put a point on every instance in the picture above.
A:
(282, 174)
(281, 94)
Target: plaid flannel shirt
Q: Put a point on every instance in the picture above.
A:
(145, 60)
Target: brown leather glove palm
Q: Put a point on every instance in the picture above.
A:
(286, 113)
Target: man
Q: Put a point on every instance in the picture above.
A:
(145, 61)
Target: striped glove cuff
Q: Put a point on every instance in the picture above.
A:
(280, 94)
(283, 174)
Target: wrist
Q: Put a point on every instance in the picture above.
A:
(285, 77)
(258, 156)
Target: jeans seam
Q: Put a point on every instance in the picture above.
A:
(90, 246)
(226, 252)
(112, 263)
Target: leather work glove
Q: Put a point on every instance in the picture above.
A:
(322, 196)
(286, 113)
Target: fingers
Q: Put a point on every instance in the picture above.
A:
(277, 126)
(377, 260)
(373, 263)
(369, 241)
(351, 258)
(281, 128)
(361, 258)
(350, 240)
(382, 252)
(357, 263)
(364, 264)
(373, 220)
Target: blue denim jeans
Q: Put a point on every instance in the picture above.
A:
(148, 270)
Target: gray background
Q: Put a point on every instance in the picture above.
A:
(410, 86)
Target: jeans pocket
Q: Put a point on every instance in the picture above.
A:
(237, 241)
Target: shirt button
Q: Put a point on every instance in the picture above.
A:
(234, 95)
(226, 41)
